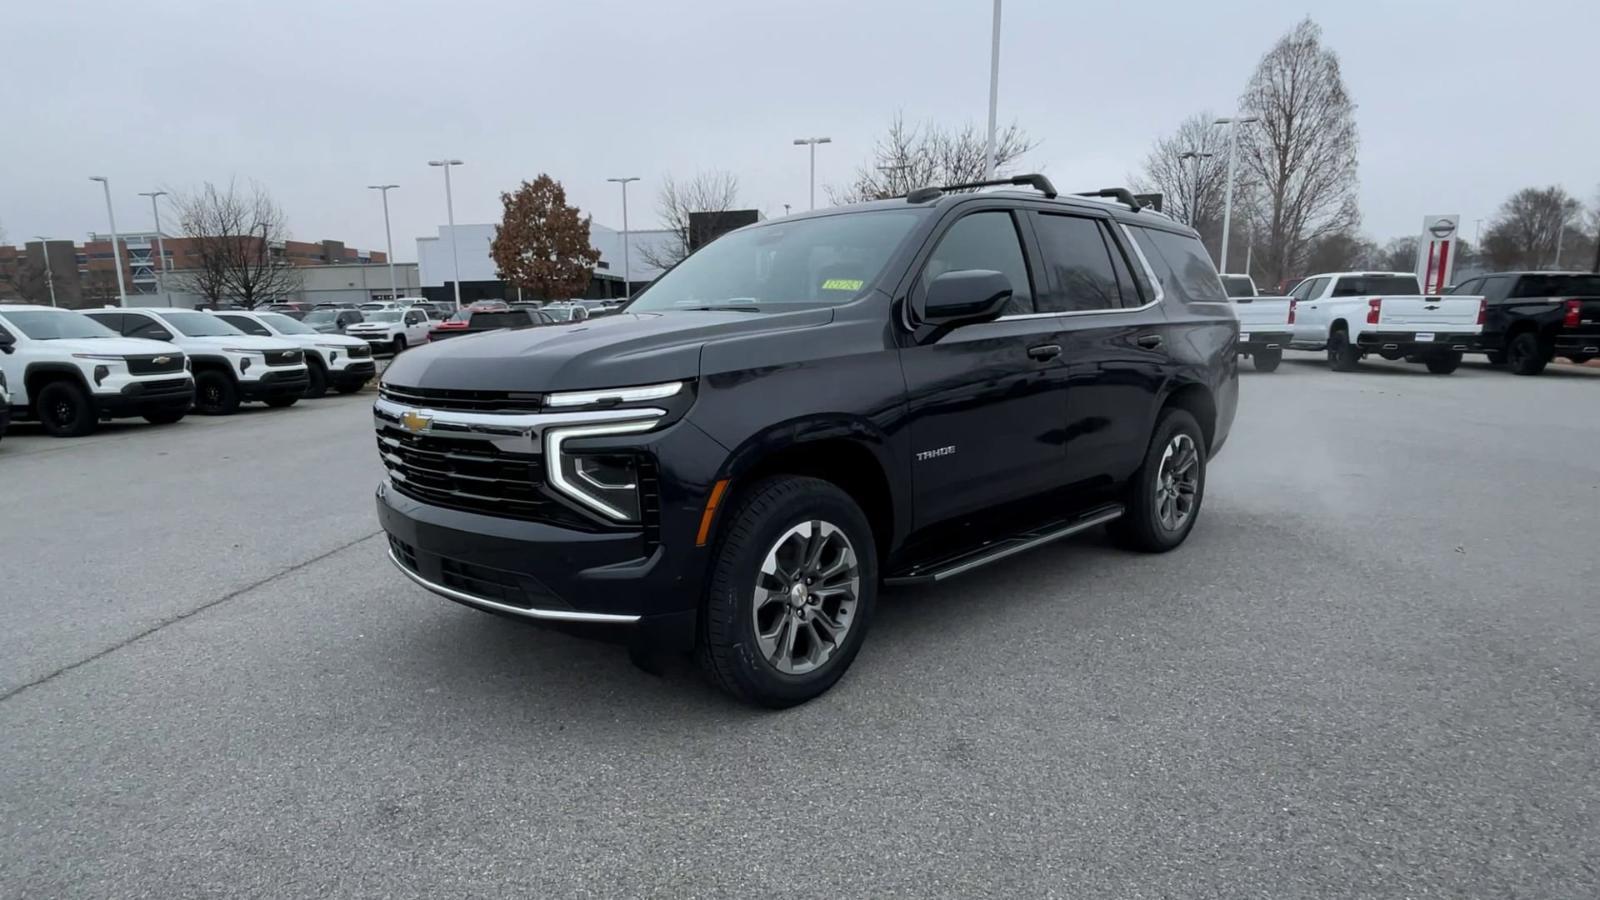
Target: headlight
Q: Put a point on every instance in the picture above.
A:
(614, 396)
(108, 357)
(605, 482)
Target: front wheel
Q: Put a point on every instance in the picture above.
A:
(399, 344)
(215, 394)
(1164, 499)
(791, 591)
(65, 410)
(318, 384)
(1524, 355)
(1266, 360)
(1443, 363)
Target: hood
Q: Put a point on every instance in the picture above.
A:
(112, 346)
(240, 341)
(373, 326)
(307, 341)
(613, 351)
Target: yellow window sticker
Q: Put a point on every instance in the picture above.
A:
(842, 284)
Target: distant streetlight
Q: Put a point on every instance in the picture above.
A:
(450, 212)
(1194, 200)
(155, 212)
(627, 273)
(116, 250)
(994, 93)
(388, 238)
(786, 209)
(49, 276)
(1233, 124)
(813, 142)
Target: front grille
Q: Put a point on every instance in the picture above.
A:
(511, 588)
(404, 553)
(468, 401)
(472, 475)
(284, 357)
(155, 364)
(173, 385)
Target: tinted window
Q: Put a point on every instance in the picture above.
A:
(1075, 250)
(287, 324)
(1376, 285)
(1556, 285)
(984, 240)
(1495, 287)
(247, 325)
(1182, 264)
(55, 324)
(516, 318)
(1238, 286)
(199, 324)
(1469, 287)
(145, 327)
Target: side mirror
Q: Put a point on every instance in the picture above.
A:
(966, 296)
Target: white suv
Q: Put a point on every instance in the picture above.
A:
(69, 372)
(392, 329)
(229, 365)
(332, 360)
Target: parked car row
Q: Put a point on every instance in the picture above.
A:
(1519, 319)
(71, 370)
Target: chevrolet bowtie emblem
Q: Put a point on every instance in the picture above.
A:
(162, 360)
(415, 421)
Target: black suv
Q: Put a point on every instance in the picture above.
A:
(894, 393)
(1532, 317)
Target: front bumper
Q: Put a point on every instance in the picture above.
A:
(1256, 341)
(1409, 343)
(283, 383)
(152, 395)
(354, 375)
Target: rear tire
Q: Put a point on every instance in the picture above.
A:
(318, 384)
(765, 603)
(1342, 355)
(1443, 363)
(1266, 360)
(1524, 354)
(215, 394)
(65, 410)
(1165, 482)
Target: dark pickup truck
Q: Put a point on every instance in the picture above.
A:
(1533, 317)
(892, 393)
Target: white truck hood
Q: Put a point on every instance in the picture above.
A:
(241, 342)
(119, 346)
(307, 341)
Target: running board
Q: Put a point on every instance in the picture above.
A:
(994, 551)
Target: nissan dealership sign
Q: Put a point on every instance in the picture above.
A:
(1436, 252)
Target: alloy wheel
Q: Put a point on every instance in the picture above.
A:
(1177, 482)
(805, 597)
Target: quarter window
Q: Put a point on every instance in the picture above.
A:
(985, 240)
(1188, 273)
(1075, 250)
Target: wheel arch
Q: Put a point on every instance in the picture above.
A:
(207, 362)
(1197, 400)
(39, 374)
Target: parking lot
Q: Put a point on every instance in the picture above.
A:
(1373, 669)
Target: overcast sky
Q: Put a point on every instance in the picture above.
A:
(1460, 101)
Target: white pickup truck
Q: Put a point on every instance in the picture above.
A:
(1264, 322)
(1351, 314)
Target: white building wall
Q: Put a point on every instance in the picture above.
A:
(433, 253)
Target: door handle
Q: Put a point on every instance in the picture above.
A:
(1045, 352)
(1148, 341)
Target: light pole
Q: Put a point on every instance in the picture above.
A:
(116, 251)
(1561, 232)
(49, 276)
(627, 273)
(155, 212)
(994, 93)
(1233, 124)
(450, 213)
(1194, 192)
(813, 141)
(786, 209)
(388, 238)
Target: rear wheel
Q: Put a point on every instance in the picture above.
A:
(1443, 363)
(1266, 360)
(1524, 355)
(318, 385)
(1342, 355)
(65, 410)
(1164, 498)
(215, 394)
(791, 591)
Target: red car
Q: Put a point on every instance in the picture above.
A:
(451, 326)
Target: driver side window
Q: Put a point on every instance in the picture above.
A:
(984, 240)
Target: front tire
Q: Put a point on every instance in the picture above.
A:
(1443, 363)
(792, 587)
(1164, 499)
(65, 410)
(215, 394)
(399, 344)
(1524, 355)
(1266, 360)
(318, 385)
(1342, 355)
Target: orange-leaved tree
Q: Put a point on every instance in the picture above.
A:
(542, 244)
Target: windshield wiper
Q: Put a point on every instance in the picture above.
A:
(721, 308)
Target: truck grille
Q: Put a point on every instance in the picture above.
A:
(466, 401)
(283, 357)
(155, 364)
(166, 386)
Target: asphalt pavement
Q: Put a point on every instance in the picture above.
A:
(1373, 670)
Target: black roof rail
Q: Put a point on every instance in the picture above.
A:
(1121, 195)
(1035, 181)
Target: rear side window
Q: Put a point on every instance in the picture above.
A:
(1182, 264)
(1376, 286)
(1557, 285)
(247, 325)
(984, 240)
(1075, 251)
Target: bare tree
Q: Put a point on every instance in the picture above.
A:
(1193, 189)
(1400, 255)
(711, 191)
(32, 282)
(1524, 232)
(100, 287)
(1341, 251)
(1303, 152)
(233, 233)
(908, 156)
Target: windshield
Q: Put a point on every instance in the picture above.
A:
(559, 313)
(49, 326)
(285, 325)
(828, 260)
(198, 324)
(321, 317)
(1555, 285)
(384, 315)
(1376, 285)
